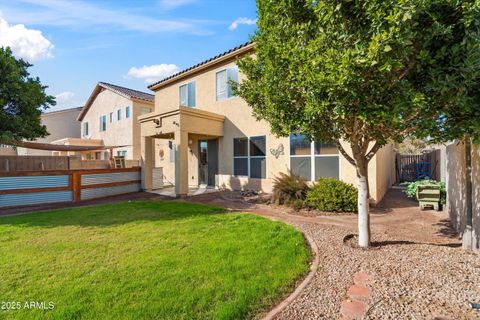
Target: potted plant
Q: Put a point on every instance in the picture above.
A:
(429, 193)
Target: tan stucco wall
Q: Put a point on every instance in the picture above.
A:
(239, 122)
(125, 132)
(385, 168)
(6, 150)
(60, 124)
(456, 188)
(476, 196)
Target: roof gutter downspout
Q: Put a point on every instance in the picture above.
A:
(467, 239)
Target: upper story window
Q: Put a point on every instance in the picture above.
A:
(119, 114)
(111, 117)
(312, 160)
(187, 95)
(223, 79)
(127, 112)
(144, 110)
(85, 129)
(103, 123)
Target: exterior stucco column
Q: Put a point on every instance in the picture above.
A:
(181, 163)
(147, 162)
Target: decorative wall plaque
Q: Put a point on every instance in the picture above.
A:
(278, 152)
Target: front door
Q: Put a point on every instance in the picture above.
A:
(207, 161)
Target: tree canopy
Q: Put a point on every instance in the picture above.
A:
(22, 99)
(366, 72)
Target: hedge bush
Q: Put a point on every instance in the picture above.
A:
(329, 194)
(289, 189)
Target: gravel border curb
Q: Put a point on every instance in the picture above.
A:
(313, 269)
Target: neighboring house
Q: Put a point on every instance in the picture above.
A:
(60, 124)
(6, 150)
(201, 134)
(109, 118)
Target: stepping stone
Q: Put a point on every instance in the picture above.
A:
(361, 279)
(350, 310)
(359, 293)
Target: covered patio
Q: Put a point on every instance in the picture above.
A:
(191, 138)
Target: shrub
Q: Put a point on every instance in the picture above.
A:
(333, 195)
(411, 189)
(289, 189)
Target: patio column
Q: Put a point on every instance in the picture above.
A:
(147, 162)
(181, 163)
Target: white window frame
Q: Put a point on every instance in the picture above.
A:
(86, 125)
(241, 157)
(312, 157)
(248, 157)
(180, 94)
(102, 129)
(227, 97)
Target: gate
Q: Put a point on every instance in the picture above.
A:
(416, 167)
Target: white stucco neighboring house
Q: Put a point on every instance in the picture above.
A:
(109, 118)
(60, 124)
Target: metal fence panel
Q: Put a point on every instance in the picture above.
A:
(89, 179)
(35, 198)
(92, 193)
(25, 182)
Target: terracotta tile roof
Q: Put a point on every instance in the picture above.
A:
(128, 92)
(125, 92)
(178, 74)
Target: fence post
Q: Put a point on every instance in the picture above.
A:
(76, 186)
(7, 165)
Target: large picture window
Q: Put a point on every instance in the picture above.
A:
(223, 78)
(187, 95)
(313, 160)
(249, 157)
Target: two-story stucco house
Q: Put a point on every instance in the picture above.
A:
(109, 118)
(201, 134)
(60, 124)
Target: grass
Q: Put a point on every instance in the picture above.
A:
(147, 260)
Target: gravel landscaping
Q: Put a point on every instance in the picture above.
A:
(409, 280)
(417, 267)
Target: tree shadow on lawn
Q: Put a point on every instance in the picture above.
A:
(114, 214)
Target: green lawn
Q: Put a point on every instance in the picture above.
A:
(147, 260)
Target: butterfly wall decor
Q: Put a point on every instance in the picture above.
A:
(277, 152)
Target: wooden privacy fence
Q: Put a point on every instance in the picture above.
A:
(407, 166)
(35, 187)
(46, 163)
(33, 163)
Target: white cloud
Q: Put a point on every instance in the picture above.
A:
(94, 15)
(64, 97)
(64, 100)
(25, 43)
(154, 72)
(239, 21)
(172, 4)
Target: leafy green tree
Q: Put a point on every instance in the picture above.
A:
(22, 99)
(366, 72)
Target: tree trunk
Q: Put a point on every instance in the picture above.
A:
(363, 205)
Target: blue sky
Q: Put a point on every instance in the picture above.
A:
(75, 44)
